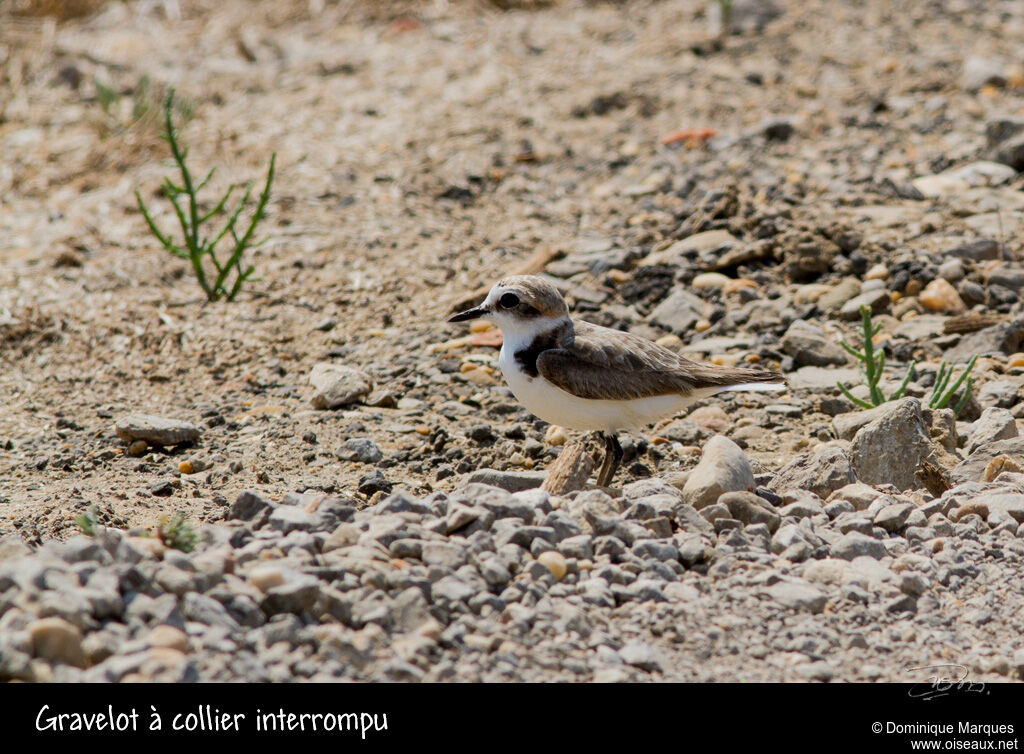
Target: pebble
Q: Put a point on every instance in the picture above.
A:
(940, 296)
(854, 545)
(168, 637)
(554, 562)
(722, 468)
(57, 640)
(555, 436)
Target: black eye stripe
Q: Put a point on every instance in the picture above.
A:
(508, 301)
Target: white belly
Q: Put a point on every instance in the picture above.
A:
(554, 405)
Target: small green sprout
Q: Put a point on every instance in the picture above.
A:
(200, 249)
(177, 533)
(871, 365)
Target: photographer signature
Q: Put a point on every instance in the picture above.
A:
(942, 680)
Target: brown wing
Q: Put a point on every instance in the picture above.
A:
(605, 364)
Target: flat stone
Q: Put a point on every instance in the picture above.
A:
(511, 481)
(679, 313)
(1009, 504)
(877, 301)
(798, 596)
(956, 180)
(156, 430)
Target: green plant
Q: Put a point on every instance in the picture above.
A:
(198, 248)
(177, 533)
(871, 365)
(941, 394)
(87, 521)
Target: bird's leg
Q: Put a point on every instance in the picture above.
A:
(612, 459)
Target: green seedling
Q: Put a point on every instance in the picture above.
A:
(871, 365)
(88, 521)
(177, 533)
(195, 246)
(942, 393)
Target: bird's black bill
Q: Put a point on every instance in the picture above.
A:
(474, 313)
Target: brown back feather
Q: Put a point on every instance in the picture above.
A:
(604, 364)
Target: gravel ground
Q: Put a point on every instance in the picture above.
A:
(364, 488)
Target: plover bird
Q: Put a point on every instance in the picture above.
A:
(583, 376)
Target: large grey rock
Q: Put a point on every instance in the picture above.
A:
(890, 449)
(994, 424)
(337, 385)
(723, 467)
(972, 468)
(810, 346)
(822, 471)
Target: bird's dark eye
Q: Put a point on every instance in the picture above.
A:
(508, 301)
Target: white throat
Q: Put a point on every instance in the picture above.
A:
(518, 333)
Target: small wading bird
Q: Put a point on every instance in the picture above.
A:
(583, 376)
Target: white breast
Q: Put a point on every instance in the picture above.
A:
(554, 405)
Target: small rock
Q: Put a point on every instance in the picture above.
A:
(555, 436)
(512, 481)
(359, 449)
(723, 467)
(854, 545)
(374, 482)
(337, 385)
(995, 424)
(798, 596)
(57, 640)
(809, 346)
(749, 508)
(641, 655)
(822, 471)
(940, 296)
(168, 637)
(979, 72)
(679, 313)
(554, 561)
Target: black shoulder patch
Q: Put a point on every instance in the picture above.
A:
(527, 357)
